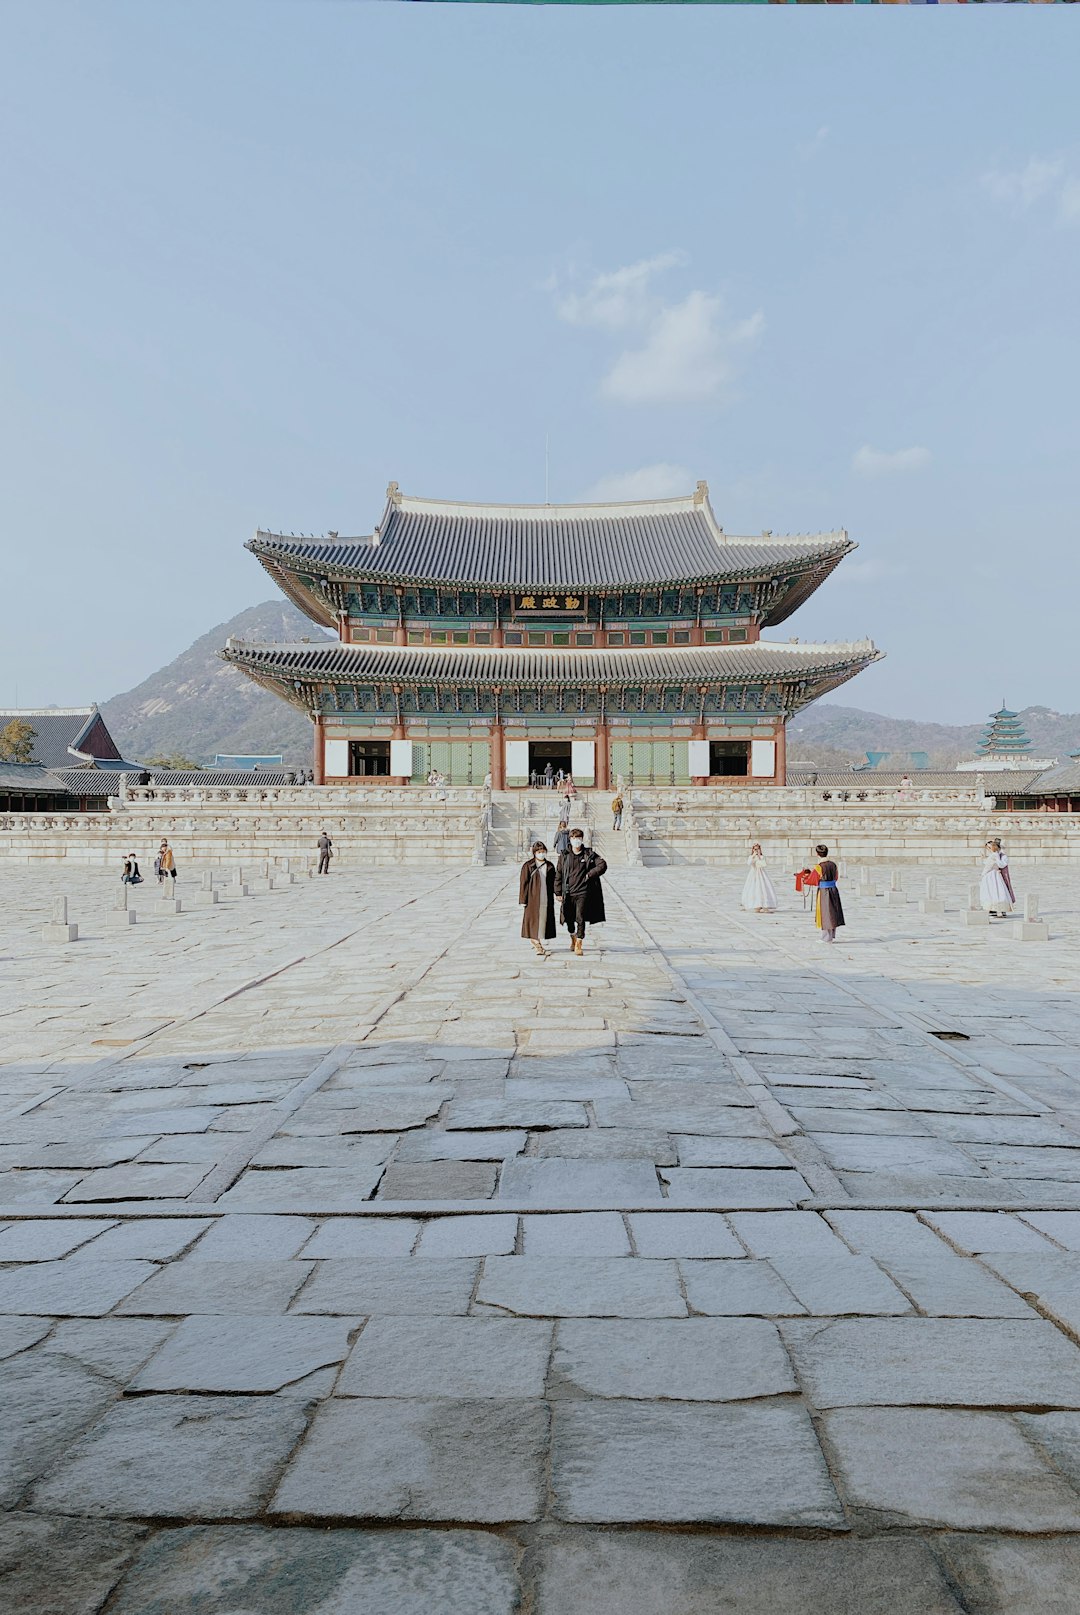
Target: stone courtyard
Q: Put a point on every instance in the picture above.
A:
(354, 1261)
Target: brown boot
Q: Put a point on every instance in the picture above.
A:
(577, 946)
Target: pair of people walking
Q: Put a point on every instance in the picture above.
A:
(995, 886)
(576, 880)
(165, 864)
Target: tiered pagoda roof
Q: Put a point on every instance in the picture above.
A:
(1003, 735)
(601, 548)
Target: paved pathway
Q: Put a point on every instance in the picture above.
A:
(333, 1206)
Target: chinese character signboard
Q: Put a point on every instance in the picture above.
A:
(544, 602)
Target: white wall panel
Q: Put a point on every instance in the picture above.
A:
(699, 758)
(401, 758)
(336, 759)
(762, 759)
(583, 761)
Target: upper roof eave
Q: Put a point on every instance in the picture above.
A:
(798, 551)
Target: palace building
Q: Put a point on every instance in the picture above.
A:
(606, 640)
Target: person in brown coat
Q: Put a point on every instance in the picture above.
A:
(536, 892)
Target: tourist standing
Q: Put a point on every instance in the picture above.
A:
(759, 893)
(536, 891)
(326, 852)
(995, 888)
(828, 909)
(549, 776)
(165, 863)
(578, 887)
(616, 812)
(562, 839)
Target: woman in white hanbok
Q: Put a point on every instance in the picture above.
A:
(995, 888)
(759, 893)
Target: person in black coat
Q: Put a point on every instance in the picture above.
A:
(536, 893)
(578, 888)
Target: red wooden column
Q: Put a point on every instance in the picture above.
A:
(498, 757)
(319, 764)
(781, 755)
(603, 758)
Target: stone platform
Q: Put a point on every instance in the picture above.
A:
(354, 1261)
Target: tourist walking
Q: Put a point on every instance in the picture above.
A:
(828, 909)
(536, 891)
(758, 893)
(995, 888)
(165, 864)
(616, 812)
(326, 852)
(579, 890)
(562, 839)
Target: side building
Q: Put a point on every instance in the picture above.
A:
(503, 639)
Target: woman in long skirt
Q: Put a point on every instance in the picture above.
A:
(995, 888)
(828, 909)
(759, 893)
(536, 893)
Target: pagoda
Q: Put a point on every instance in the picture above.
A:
(506, 640)
(1003, 746)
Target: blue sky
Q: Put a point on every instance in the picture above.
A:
(261, 258)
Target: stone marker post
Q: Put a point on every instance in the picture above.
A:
(206, 896)
(931, 903)
(1032, 929)
(121, 912)
(58, 929)
(895, 895)
(975, 914)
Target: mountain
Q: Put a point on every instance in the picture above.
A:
(199, 706)
(828, 733)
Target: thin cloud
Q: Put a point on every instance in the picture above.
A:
(620, 297)
(870, 462)
(660, 481)
(686, 351)
(1041, 180)
(808, 149)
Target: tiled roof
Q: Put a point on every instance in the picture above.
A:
(878, 779)
(468, 664)
(30, 777)
(59, 732)
(99, 782)
(561, 546)
(1064, 780)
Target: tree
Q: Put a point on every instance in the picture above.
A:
(17, 742)
(177, 761)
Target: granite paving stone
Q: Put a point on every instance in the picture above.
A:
(584, 1287)
(984, 1476)
(991, 1362)
(247, 1288)
(197, 1570)
(180, 1457)
(685, 1359)
(737, 1288)
(62, 1566)
(34, 1241)
(754, 1463)
(137, 1182)
(841, 1284)
(307, 1188)
(457, 1357)
(45, 1403)
(252, 1236)
(150, 1239)
(69, 1288)
(246, 1354)
(949, 1286)
(975, 1232)
(787, 1233)
(363, 1236)
(439, 1180)
(17, 1334)
(114, 1347)
(558, 1182)
(470, 1461)
(488, 1234)
(1063, 1227)
(683, 1233)
(1002, 1575)
(664, 1574)
(575, 1233)
(415, 1287)
(733, 1186)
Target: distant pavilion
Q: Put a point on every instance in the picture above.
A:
(605, 640)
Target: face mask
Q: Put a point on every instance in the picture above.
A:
(541, 857)
(576, 843)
